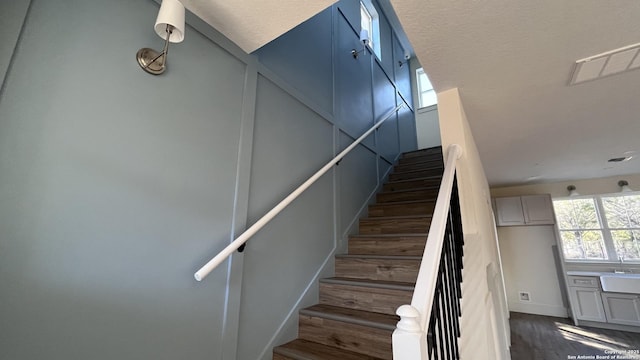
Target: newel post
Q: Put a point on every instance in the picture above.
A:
(409, 340)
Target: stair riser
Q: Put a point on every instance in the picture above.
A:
(409, 246)
(394, 226)
(280, 357)
(378, 269)
(420, 158)
(384, 301)
(409, 175)
(401, 209)
(417, 195)
(362, 339)
(423, 152)
(433, 182)
(428, 165)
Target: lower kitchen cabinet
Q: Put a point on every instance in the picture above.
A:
(622, 309)
(587, 303)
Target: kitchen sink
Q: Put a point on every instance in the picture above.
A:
(621, 283)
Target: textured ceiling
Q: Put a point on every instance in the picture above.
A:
(511, 60)
(250, 23)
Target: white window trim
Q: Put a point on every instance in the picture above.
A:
(374, 35)
(609, 245)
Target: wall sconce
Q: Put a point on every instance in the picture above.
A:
(364, 37)
(169, 26)
(624, 186)
(572, 190)
(406, 60)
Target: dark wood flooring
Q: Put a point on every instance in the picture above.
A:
(535, 337)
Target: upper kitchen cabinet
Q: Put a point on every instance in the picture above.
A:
(524, 210)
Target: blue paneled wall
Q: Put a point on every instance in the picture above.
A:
(115, 185)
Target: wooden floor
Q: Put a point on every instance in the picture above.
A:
(535, 337)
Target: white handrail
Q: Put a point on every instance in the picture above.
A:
(240, 240)
(427, 276)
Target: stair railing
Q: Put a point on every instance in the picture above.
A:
(429, 328)
(247, 234)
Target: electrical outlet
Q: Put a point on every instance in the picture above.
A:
(524, 296)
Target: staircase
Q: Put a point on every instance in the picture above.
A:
(356, 314)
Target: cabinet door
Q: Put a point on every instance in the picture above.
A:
(622, 308)
(509, 211)
(587, 303)
(538, 210)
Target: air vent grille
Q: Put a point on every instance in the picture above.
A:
(608, 63)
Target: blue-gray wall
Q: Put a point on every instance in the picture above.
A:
(115, 185)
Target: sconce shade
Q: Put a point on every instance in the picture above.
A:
(364, 36)
(624, 186)
(171, 13)
(572, 190)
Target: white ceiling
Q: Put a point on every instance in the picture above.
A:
(511, 60)
(250, 24)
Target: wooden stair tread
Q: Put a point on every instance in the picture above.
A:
(413, 168)
(404, 202)
(359, 317)
(423, 160)
(390, 235)
(380, 284)
(415, 179)
(399, 217)
(421, 152)
(423, 166)
(378, 257)
(410, 190)
(300, 349)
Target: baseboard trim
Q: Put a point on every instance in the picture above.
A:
(538, 309)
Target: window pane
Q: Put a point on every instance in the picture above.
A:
(627, 243)
(425, 89)
(428, 98)
(576, 214)
(622, 211)
(585, 245)
(366, 22)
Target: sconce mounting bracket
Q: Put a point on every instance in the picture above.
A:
(151, 61)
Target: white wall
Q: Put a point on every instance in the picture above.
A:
(428, 127)
(484, 325)
(427, 121)
(529, 266)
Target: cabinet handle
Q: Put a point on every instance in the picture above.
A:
(584, 282)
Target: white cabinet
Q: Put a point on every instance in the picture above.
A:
(524, 210)
(538, 209)
(587, 303)
(509, 211)
(622, 309)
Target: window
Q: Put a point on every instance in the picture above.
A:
(603, 227)
(366, 21)
(623, 220)
(426, 94)
(369, 21)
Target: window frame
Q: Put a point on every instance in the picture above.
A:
(374, 31)
(607, 238)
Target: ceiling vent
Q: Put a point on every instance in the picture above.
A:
(608, 63)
